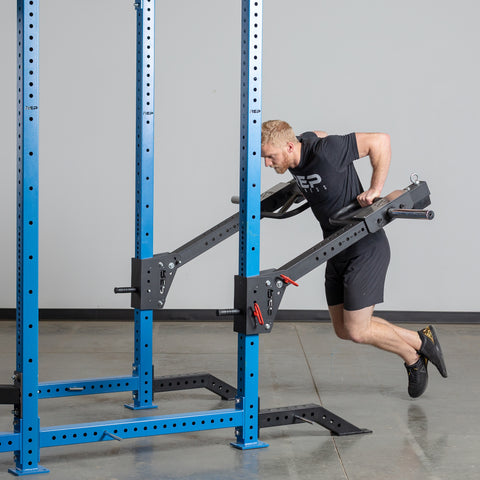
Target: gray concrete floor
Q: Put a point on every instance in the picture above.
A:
(434, 437)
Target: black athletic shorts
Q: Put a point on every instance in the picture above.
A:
(356, 276)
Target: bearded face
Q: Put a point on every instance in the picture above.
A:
(277, 158)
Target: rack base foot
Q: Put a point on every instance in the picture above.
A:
(17, 472)
(132, 406)
(249, 446)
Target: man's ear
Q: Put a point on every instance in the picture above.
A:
(290, 147)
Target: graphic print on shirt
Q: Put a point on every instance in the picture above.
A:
(310, 183)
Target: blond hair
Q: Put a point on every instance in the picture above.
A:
(277, 133)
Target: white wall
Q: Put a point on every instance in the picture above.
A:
(408, 68)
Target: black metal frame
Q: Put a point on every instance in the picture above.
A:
(310, 413)
(190, 381)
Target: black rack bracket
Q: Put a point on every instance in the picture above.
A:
(191, 381)
(262, 294)
(152, 279)
(311, 413)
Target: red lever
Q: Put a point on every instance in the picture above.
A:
(288, 280)
(257, 313)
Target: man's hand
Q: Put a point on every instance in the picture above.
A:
(367, 198)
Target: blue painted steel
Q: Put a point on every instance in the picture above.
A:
(129, 428)
(142, 364)
(250, 142)
(139, 427)
(249, 242)
(247, 393)
(87, 386)
(26, 422)
(9, 442)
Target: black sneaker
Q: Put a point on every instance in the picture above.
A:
(431, 349)
(417, 377)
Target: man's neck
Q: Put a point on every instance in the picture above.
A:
(297, 154)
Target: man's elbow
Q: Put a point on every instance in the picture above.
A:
(384, 141)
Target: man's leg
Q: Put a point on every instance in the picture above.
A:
(424, 341)
(361, 326)
(409, 336)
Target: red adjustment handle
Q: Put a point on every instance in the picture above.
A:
(257, 313)
(288, 280)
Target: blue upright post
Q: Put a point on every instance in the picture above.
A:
(249, 242)
(26, 421)
(142, 365)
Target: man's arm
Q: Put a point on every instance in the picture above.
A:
(377, 147)
(320, 134)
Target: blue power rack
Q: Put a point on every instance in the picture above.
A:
(28, 437)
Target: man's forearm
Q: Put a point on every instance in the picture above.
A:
(380, 166)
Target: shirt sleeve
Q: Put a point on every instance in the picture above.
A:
(339, 150)
(307, 135)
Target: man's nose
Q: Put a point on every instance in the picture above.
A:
(268, 162)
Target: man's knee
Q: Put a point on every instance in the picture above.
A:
(342, 333)
(359, 336)
(358, 325)
(353, 333)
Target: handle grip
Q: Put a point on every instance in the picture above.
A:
(344, 215)
(283, 213)
(411, 213)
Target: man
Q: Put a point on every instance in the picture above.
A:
(354, 279)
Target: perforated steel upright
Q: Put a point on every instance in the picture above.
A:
(142, 364)
(26, 421)
(249, 238)
(28, 437)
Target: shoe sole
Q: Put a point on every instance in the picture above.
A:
(442, 368)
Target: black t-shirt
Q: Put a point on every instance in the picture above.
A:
(326, 174)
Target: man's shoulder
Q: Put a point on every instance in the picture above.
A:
(310, 135)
